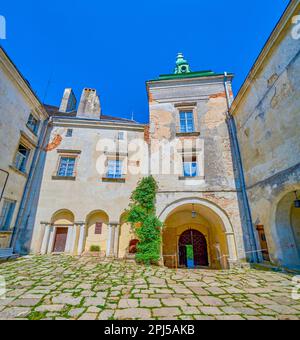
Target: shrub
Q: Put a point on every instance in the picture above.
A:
(95, 249)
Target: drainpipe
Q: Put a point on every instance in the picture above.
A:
(28, 187)
(255, 258)
(5, 183)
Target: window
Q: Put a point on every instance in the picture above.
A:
(187, 122)
(69, 133)
(98, 228)
(121, 135)
(114, 169)
(66, 167)
(33, 124)
(7, 215)
(190, 167)
(22, 158)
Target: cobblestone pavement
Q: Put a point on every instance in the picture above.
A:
(62, 287)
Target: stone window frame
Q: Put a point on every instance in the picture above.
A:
(10, 213)
(187, 107)
(114, 157)
(28, 144)
(199, 154)
(36, 128)
(67, 154)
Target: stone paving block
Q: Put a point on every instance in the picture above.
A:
(280, 309)
(66, 299)
(132, 313)
(204, 318)
(50, 308)
(106, 315)
(25, 302)
(14, 313)
(229, 318)
(190, 310)
(150, 303)
(128, 303)
(173, 302)
(211, 301)
(166, 312)
(88, 317)
(74, 313)
(211, 311)
(248, 311)
(91, 301)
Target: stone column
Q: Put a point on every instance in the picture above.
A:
(231, 249)
(45, 242)
(69, 242)
(117, 238)
(51, 239)
(73, 249)
(82, 235)
(112, 242)
(109, 239)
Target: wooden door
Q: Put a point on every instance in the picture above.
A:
(263, 242)
(60, 240)
(198, 241)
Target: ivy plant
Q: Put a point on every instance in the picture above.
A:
(147, 227)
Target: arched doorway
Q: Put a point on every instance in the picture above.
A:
(193, 250)
(63, 233)
(211, 225)
(287, 252)
(96, 231)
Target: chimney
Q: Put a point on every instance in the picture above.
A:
(69, 102)
(89, 106)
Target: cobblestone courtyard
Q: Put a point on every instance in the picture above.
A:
(62, 287)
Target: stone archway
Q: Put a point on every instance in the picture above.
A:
(210, 220)
(96, 231)
(287, 232)
(59, 235)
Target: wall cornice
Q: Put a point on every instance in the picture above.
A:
(14, 74)
(75, 122)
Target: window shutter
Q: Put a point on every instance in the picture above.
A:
(98, 229)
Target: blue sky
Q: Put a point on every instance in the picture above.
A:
(115, 46)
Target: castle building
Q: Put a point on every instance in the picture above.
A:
(93, 163)
(227, 168)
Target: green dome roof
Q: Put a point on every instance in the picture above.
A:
(182, 66)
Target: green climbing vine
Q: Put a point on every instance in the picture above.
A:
(147, 227)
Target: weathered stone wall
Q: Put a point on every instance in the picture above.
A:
(268, 123)
(16, 104)
(88, 193)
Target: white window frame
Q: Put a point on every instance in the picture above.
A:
(191, 161)
(66, 171)
(20, 161)
(121, 135)
(34, 128)
(115, 174)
